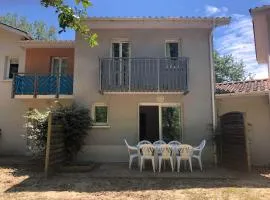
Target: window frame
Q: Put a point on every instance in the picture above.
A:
(7, 66)
(60, 58)
(93, 113)
(120, 41)
(178, 41)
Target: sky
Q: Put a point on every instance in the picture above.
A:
(236, 39)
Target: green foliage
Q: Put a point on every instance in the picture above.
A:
(38, 29)
(229, 69)
(69, 17)
(75, 120)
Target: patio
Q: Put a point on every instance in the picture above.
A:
(120, 170)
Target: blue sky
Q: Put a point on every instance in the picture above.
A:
(236, 39)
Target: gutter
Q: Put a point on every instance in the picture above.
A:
(213, 87)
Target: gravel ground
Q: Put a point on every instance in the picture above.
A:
(24, 184)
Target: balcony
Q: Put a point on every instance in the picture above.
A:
(144, 75)
(42, 86)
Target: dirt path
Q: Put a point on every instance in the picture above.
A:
(25, 185)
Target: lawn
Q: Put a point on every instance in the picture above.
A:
(23, 184)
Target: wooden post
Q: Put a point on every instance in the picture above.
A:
(35, 86)
(48, 145)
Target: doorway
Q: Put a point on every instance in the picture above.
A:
(149, 123)
(160, 122)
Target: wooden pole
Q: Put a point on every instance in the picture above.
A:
(48, 145)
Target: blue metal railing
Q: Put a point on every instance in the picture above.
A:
(42, 84)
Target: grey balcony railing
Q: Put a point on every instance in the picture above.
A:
(144, 74)
(42, 84)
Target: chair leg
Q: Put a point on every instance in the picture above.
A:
(200, 163)
(172, 165)
(130, 162)
(159, 164)
(190, 164)
(178, 165)
(153, 163)
(141, 164)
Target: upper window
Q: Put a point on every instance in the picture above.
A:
(120, 49)
(59, 65)
(172, 49)
(100, 114)
(12, 66)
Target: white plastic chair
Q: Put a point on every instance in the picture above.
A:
(159, 142)
(185, 154)
(165, 153)
(147, 152)
(174, 142)
(144, 142)
(133, 153)
(197, 152)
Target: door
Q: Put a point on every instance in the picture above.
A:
(171, 123)
(233, 141)
(59, 65)
(160, 122)
(149, 123)
(121, 64)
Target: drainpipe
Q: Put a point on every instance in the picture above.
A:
(213, 82)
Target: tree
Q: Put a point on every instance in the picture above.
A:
(38, 29)
(69, 17)
(229, 69)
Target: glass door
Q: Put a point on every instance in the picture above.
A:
(121, 54)
(171, 123)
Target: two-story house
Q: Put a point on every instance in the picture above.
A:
(32, 75)
(149, 78)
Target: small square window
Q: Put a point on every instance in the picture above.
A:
(100, 114)
(12, 66)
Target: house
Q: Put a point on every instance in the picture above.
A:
(261, 24)
(27, 80)
(149, 78)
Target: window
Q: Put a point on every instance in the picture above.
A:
(100, 114)
(12, 66)
(172, 49)
(59, 65)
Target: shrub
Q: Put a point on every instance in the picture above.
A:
(75, 121)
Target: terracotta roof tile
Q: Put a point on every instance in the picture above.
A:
(243, 87)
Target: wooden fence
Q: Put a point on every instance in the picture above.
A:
(55, 151)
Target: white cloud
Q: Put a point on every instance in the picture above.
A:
(212, 10)
(237, 39)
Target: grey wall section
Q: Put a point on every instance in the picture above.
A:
(257, 110)
(107, 144)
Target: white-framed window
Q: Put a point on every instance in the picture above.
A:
(59, 65)
(100, 114)
(172, 48)
(12, 66)
(120, 48)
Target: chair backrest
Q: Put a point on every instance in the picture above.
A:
(130, 148)
(201, 146)
(159, 142)
(144, 142)
(147, 150)
(165, 150)
(185, 151)
(174, 142)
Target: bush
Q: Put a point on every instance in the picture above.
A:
(75, 120)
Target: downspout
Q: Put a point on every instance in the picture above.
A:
(214, 121)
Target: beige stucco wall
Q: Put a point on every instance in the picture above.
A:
(107, 144)
(256, 110)
(12, 110)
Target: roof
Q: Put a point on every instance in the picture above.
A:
(261, 8)
(15, 30)
(243, 87)
(47, 43)
(219, 21)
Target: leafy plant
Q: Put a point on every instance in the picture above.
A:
(75, 121)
